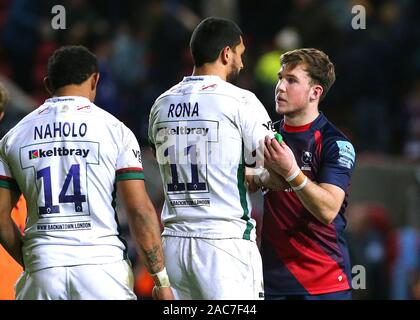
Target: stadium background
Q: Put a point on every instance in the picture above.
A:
(142, 47)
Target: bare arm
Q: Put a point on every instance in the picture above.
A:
(10, 235)
(143, 223)
(322, 200)
(267, 178)
(144, 227)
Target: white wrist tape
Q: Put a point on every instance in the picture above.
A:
(302, 185)
(294, 175)
(161, 279)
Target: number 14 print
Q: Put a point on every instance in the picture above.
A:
(73, 176)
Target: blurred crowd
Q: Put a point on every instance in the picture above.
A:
(143, 50)
(390, 256)
(142, 47)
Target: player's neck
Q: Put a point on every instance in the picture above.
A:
(73, 90)
(209, 70)
(302, 118)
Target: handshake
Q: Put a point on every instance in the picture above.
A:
(280, 171)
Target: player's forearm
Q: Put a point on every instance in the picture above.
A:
(272, 180)
(11, 240)
(321, 203)
(146, 232)
(262, 177)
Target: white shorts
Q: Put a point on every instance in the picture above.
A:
(112, 281)
(208, 269)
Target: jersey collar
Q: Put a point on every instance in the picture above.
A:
(303, 128)
(69, 99)
(201, 78)
(319, 121)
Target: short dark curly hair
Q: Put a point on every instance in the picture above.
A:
(71, 65)
(210, 37)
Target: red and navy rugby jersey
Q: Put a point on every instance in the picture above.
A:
(301, 255)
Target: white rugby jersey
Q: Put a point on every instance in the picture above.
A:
(202, 130)
(65, 157)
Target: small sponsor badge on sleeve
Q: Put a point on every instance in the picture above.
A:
(346, 154)
(137, 154)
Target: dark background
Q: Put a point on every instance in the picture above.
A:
(142, 47)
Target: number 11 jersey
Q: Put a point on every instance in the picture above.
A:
(65, 157)
(204, 131)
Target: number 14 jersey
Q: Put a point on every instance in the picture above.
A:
(65, 157)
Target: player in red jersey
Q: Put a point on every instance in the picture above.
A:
(304, 252)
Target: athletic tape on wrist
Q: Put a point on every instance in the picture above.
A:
(302, 185)
(294, 175)
(161, 279)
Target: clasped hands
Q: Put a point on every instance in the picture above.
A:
(279, 163)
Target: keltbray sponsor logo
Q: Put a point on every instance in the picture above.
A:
(33, 154)
(183, 130)
(58, 152)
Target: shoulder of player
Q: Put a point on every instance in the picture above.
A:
(109, 120)
(334, 140)
(331, 133)
(165, 95)
(95, 113)
(244, 98)
(28, 118)
(236, 92)
(160, 98)
(99, 112)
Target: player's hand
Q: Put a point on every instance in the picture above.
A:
(274, 181)
(162, 293)
(279, 157)
(250, 184)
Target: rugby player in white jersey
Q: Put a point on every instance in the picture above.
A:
(204, 131)
(68, 158)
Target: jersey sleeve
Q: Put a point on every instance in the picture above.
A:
(338, 163)
(255, 124)
(151, 135)
(129, 164)
(6, 178)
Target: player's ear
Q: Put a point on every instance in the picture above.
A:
(47, 86)
(94, 81)
(225, 54)
(316, 93)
